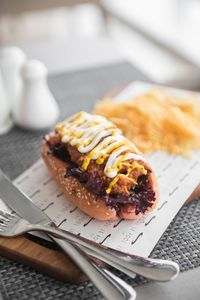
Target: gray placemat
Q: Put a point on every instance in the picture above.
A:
(19, 149)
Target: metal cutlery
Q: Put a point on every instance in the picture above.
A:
(109, 285)
(151, 268)
(161, 270)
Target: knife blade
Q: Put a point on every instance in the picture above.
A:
(150, 268)
(110, 286)
(21, 203)
(25, 208)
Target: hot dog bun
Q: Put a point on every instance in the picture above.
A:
(74, 191)
(82, 198)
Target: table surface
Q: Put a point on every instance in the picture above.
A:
(186, 285)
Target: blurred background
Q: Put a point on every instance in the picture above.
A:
(161, 38)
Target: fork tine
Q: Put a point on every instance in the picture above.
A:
(3, 219)
(5, 214)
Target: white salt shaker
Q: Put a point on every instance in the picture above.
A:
(5, 121)
(11, 61)
(37, 108)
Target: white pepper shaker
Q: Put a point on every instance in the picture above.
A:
(11, 61)
(37, 109)
(5, 121)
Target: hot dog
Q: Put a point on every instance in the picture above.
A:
(99, 170)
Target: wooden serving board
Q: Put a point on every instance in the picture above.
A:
(48, 261)
(51, 262)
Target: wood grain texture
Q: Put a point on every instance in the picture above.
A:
(195, 195)
(48, 261)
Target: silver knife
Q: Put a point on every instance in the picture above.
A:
(109, 285)
(156, 269)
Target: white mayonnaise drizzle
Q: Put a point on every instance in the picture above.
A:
(99, 138)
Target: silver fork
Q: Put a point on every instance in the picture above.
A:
(161, 270)
(111, 286)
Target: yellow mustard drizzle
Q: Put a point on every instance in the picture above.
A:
(60, 127)
(103, 142)
(109, 189)
(101, 159)
(77, 136)
(102, 156)
(117, 166)
(116, 147)
(132, 166)
(75, 117)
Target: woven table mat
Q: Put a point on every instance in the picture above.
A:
(19, 149)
